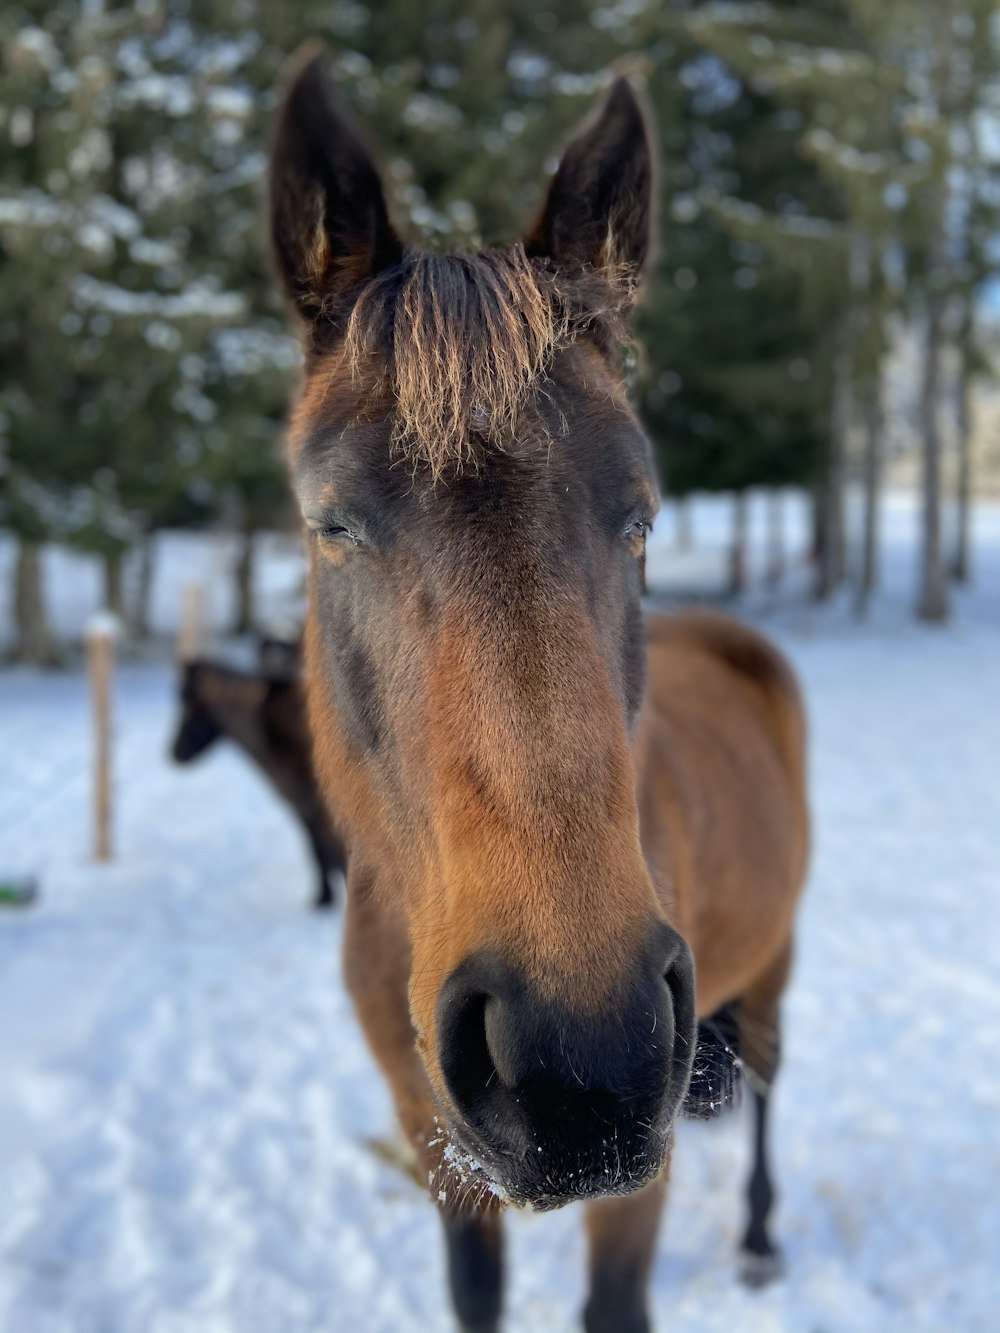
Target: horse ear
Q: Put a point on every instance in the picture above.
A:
(329, 224)
(598, 208)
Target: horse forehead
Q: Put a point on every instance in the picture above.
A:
(346, 416)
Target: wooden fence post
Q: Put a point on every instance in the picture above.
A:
(189, 632)
(102, 632)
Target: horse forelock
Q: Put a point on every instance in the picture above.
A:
(459, 345)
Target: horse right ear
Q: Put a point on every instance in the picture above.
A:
(598, 208)
(329, 224)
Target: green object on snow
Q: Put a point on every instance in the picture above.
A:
(18, 892)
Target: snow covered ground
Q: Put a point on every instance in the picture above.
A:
(187, 1109)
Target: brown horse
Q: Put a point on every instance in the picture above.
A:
(265, 716)
(538, 843)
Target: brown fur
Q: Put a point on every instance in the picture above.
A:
(473, 713)
(720, 772)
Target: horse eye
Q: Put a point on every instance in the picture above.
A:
(333, 532)
(638, 528)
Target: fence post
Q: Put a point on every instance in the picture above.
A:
(189, 631)
(102, 633)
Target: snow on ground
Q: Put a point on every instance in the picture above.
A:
(187, 1107)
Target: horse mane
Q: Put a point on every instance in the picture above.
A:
(462, 340)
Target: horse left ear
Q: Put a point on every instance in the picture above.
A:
(330, 228)
(598, 209)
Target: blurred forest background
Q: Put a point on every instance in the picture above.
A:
(821, 314)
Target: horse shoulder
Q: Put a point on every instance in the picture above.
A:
(720, 759)
(763, 681)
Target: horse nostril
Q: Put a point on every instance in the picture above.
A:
(679, 978)
(466, 1061)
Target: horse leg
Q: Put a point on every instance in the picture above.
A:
(376, 973)
(474, 1243)
(325, 896)
(621, 1236)
(760, 1047)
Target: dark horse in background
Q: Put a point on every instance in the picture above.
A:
(264, 715)
(572, 834)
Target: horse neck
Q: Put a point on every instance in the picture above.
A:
(263, 728)
(234, 702)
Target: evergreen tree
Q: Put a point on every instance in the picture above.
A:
(738, 380)
(146, 358)
(805, 202)
(101, 305)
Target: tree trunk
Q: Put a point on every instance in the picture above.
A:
(932, 599)
(33, 645)
(142, 601)
(244, 621)
(828, 532)
(828, 496)
(831, 565)
(114, 583)
(932, 602)
(823, 543)
(961, 569)
(874, 426)
(683, 536)
(738, 551)
(977, 270)
(775, 538)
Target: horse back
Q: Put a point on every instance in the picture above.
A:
(721, 760)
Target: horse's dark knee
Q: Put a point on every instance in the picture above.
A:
(616, 1304)
(475, 1269)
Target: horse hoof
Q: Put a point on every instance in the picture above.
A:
(760, 1270)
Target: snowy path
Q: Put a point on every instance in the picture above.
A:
(185, 1100)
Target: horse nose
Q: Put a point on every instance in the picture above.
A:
(561, 1102)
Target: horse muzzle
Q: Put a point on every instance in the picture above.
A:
(559, 1104)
